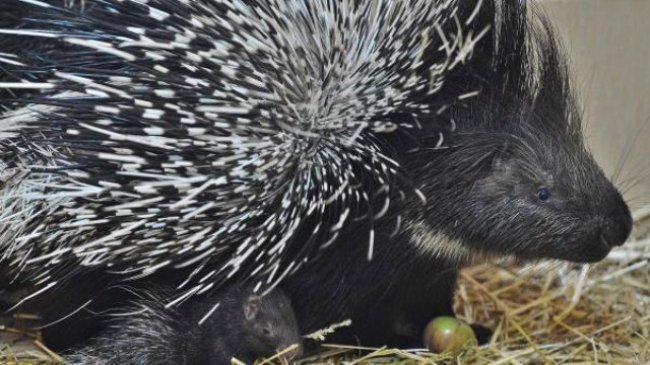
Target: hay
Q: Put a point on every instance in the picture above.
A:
(544, 313)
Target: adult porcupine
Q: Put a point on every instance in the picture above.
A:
(220, 140)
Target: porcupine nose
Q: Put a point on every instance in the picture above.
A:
(618, 227)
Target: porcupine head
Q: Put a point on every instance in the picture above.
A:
(516, 179)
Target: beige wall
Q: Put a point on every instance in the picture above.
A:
(609, 45)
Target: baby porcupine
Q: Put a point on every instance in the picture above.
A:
(357, 153)
(243, 325)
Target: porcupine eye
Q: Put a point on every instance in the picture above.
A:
(543, 194)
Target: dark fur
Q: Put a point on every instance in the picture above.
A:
(153, 334)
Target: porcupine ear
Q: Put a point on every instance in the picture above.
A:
(252, 307)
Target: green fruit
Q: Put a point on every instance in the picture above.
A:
(448, 334)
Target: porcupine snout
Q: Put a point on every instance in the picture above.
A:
(616, 228)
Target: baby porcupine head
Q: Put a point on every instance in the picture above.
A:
(271, 325)
(247, 325)
(518, 179)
